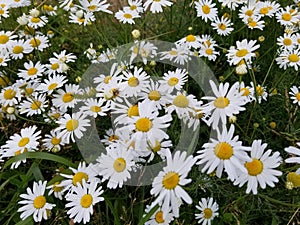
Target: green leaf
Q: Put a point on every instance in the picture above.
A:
(112, 209)
(27, 221)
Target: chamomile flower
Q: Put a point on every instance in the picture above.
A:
(35, 104)
(66, 98)
(244, 51)
(82, 200)
(159, 147)
(116, 165)
(5, 39)
(110, 137)
(287, 16)
(289, 58)
(37, 22)
(122, 111)
(82, 17)
(56, 190)
(225, 103)
(254, 22)
(206, 10)
(267, 8)
(246, 92)
(224, 153)
(49, 9)
(136, 5)
(19, 48)
(232, 4)
(287, 41)
(246, 12)
(4, 11)
(71, 126)
(222, 26)
(167, 186)
(295, 95)
(10, 96)
(94, 107)
(95, 5)
(143, 49)
(295, 152)
(52, 142)
(208, 211)
(134, 82)
(52, 83)
(261, 170)
(208, 51)
(258, 93)
(83, 173)
(174, 80)
(191, 41)
(20, 3)
(32, 71)
(156, 6)
(159, 217)
(35, 203)
(180, 54)
(127, 16)
(39, 42)
(4, 58)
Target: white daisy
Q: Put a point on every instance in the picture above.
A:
(167, 186)
(34, 104)
(19, 48)
(191, 41)
(35, 203)
(52, 83)
(261, 169)
(127, 15)
(174, 80)
(295, 152)
(32, 71)
(295, 95)
(37, 22)
(258, 93)
(289, 58)
(95, 5)
(223, 26)
(10, 96)
(94, 107)
(180, 54)
(206, 10)
(287, 16)
(208, 211)
(159, 217)
(52, 142)
(224, 153)
(143, 50)
(65, 99)
(39, 42)
(156, 5)
(56, 190)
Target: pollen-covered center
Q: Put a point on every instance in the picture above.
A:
(9, 94)
(86, 200)
(113, 138)
(241, 52)
(156, 147)
(154, 95)
(35, 42)
(133, 82)
(72, 125)
(294, 178)
(173, 81)
(52, 86)
(286, 16)
(39, 202)
(259, 90)
(206, 9)
(95, 108)
(32, 71)
(35, 105)
(245, 91)
(170, 180)
(54, 66)
(127, 16)
(119, 165)
(24, 141)
(143, 124)
(4, 39)
(35, 20)
(221, 102)
(222, 26)
(68, 97)
(56, 187)
(107, 79)
(293, 58)
(190, 38)
(181, 101)
(18, 49)
(92, 8)
(133, 111)
(255, 167)
(207, 213)
(159, 217)
(78, 177)
(297, 96)
(223, 150)
(55, 141)
(287, 41)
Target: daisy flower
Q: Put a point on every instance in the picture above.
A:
(206, 10)
(222, 26)
(261, 169)
(52, 83)
(127, 15)
(32, 71)
(72, 126)
(246, 92)
(83, 173)
(82, 200)
(35, 203)
(191, 41)
(174, 80)
(287, 16)
(66, 98)
(122, 111)
(258, 93)
(267, 8)
(232, 4)
(4, 58)
(159, 217)
(94, 107)
(295, 95)
(4, 11)
(225, 103)
(224, 153)
(167, 186)
(136, 5)
(289, 58)
(156, 5)
(144, 50)
(55, 190)
(287, 41)
(39, 42)
(116, 165)
(20, 3)
(295, 152)
(110, 137)
(49, 9)
(5, 39)
(208, 211)
(159, 147)
(37, 22)
(254, 22)
(95, 6)
(19, 48)
(208, 51)
(180, 54)
(244, 51)
(35, 104)
(52, 142)
(247, 11)
(82, 17)
(134, 82)
(10, 96)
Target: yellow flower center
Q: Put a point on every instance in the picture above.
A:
(207, 213)
(286, 16)
(32, 71)
(86, 200)
(259, 90)
(55, 141)
(19, 151)
(221, 102)
(119, 165)
(78, 177)
(133, 111)
(29, 90)
(35, 105)
(80, 20)
(4, 39)
(264, 10)
(173, 52)
(54, 66)
(9, 94)
(173, 81)
(113, 138)
(298, 96)
(249, 12)
(95, 108)
(181, 101)
(92, 7)
(133, 7)
(159, 217)
(39, 202)
(35, 20)
(24, 141)
(133, 82)
(241, 53)
(223, 150)
(170, 180)
(252, 23)
(294, 178)
(209, 51)
(127, 16)
(4, 80)
(107, 79)
(245, 91)
(287, 41)
(206, 9)
(190, 38)
(72, 125)
(18, 49)
(255, 167)
(156, 147)
(56, 188)
(293, 58)
(154, 95)
(222, 26)
(52, 86)
(67, 97)
(143, 124)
